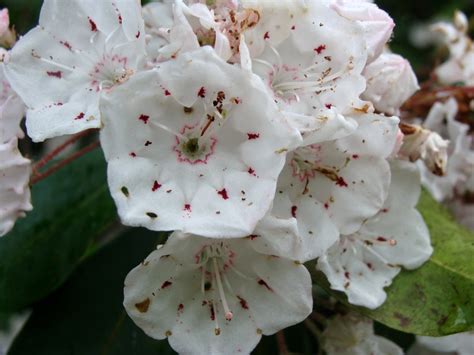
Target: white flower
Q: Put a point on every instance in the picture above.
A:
(456, 344)
(442, 119)
(377, 24)
(14, 189)
(390, 82)
(320, 185)
(460, 66)
(12, 110)
(207, 148)
(212, 297)
(315, 81)
(354, 335)
(60, 74)
(430, 147)
(365, 262)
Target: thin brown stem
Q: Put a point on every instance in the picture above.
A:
(51, 155)
(314, 330)
(40, 176)
(281, 342)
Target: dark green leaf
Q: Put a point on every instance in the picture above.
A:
(71, 209)
(438, 298)
(86, 316)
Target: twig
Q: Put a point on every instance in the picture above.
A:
(281, 342)
(51, 155)
(40, 176)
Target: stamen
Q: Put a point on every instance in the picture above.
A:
(228, 314)
(169, 130)
(62, 66)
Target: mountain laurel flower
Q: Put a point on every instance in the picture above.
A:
(60, 75)
(377, 24)
(352, 334)
(321, 182)
(390, 82)
(207, 148)
(442, 119)
(459, 68)
(361, 264)
(421, 143)
(316, 82)
(14, 185)
(215, 296)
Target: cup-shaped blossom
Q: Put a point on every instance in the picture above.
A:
(60, 74)
(353, 334)
(390, 82)
(377, 24)
(215, 296)
(296, 51)
(361, 264)
(207, 147)
(320, 185)
(14, 189)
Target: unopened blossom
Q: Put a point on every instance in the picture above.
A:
(60, 74)
(295, 48)
(460, 65)
(390, 82)
(320, 185)
(377, 24)
(14, 189)
(7, 34)
(456, 344)
(429, 146)
(215, 296)
(361, 264)
(442, 119)
(207, 147)
(352, 334)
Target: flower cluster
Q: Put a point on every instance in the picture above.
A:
(248, 130)
(446, 130)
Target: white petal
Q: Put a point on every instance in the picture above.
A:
(231, 184)
(14, 185)
(167, 296)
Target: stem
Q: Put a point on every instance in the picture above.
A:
(40, 176)
(281, 342)
(47, 158)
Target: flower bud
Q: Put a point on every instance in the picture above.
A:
(7, 35)
(421, 143)
(390, 82)
(377, 24)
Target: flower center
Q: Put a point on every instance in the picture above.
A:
(289, 83)
(305, 161)
(214, 261)
(109, 72)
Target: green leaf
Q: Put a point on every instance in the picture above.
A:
(71, 209)
(86, 316)
(437, 298)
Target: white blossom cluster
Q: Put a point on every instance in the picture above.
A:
(260, 132)
(455, 187)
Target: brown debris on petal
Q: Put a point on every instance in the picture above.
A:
(143, 306)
